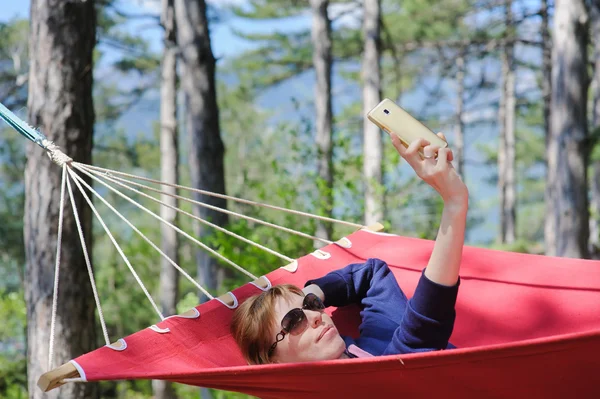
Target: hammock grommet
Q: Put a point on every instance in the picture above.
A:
(321, 254)
(262, 283)
(228, 300)
(159, 330)
(292, 267)
(80, 370)
(193, 313)
(118, 346)
(344, 243)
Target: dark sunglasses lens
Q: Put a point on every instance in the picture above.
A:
(293, 321)
(313, 302)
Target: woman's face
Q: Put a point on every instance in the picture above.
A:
(320, 339)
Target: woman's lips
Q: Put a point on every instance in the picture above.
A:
(323, 332)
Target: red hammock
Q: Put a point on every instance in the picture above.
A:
(526, 326)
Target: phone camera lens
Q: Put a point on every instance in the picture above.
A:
(385, 111)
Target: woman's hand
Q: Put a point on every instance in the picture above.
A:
(444, 263)
(314, 289)
(438, 173)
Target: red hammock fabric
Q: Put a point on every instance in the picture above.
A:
(526, 326)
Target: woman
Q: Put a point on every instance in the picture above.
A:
(286, 324)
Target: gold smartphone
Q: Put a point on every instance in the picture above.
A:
(394, 120)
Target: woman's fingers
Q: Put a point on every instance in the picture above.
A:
(412, 152)
(430, 151)
(444, 155)
(415, 146)
(448, 154)
(398, 144)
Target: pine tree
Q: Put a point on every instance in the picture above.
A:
(63, 36)
(567, 212)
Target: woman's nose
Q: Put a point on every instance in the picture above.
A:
(314, 318)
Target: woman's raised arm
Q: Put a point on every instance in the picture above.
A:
(444, 263)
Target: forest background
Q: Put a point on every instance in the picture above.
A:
(293, 82)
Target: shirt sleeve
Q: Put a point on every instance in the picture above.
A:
(423, 323)
(355, 282)
(428, 319)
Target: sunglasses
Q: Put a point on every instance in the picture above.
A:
(295, 322)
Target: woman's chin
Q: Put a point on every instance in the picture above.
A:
(335, 348)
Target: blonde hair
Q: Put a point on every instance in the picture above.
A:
(251, 323)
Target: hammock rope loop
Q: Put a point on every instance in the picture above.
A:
(88, 263)
(154, 215)
(63, 187)
(227, 197)
(206, 222)
(112, 176)
(153, 245)
(117, 247)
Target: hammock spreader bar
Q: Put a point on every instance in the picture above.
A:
(526, 326)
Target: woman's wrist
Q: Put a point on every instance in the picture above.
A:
(457, 204)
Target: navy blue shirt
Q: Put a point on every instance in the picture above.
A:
(392, 324)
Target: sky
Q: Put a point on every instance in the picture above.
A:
(225, 44)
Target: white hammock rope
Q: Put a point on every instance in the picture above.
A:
(202, 245)
(117, 246)
(68, 165)
(100, 175)
(226, 211)
(63, 187)
(88, 263)
(219, 228)
(171, 261)
(223, 196)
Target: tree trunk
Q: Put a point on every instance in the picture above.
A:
(546, 66)
(506, 153)
(372, 143)
(62, 40)
(169, 157)
(459, 144)
(322, 61)
(567, 213)
(206, 149)
(595, 177)
(549, 226)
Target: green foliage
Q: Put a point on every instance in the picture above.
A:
(13, 375)
(12, 254)
(280, 57)
(121, 56)
(530, 155)
(267, 165)
(13, 91)
(521, 246)
(270, 156)
(14, 63)
(269, 9)
(12, 311)
(425, 20)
